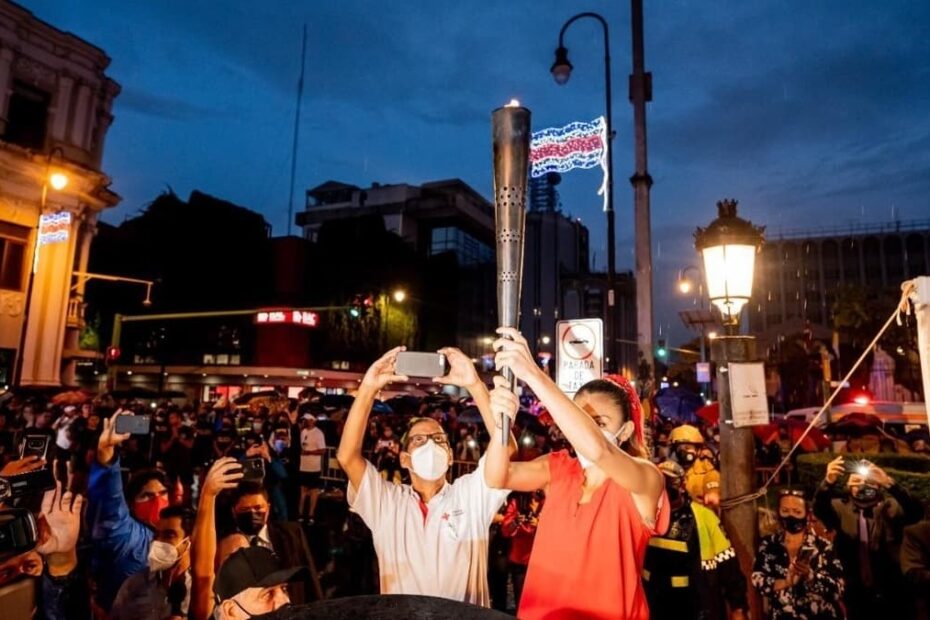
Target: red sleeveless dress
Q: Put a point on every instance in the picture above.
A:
(587, 559)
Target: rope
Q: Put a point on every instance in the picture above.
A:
(903, 307)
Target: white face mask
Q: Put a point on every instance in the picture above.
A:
(611, 438)
(162, 556)
(429, 461)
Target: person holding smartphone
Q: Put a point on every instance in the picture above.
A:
(431, 536)
(796, 571)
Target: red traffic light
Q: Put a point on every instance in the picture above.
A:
(113, 354)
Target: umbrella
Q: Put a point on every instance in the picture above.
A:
(470, 415)
(337, 400)
(245, 399)
(856, 424)
(815, 440)
(72, 397)
(709, 413)
(381, 407)
(678, 404)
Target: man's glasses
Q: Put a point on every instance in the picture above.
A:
(440, 439)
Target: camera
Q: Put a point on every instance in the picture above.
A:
(856, 467)
(18, 532)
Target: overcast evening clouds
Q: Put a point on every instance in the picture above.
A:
(810, 113)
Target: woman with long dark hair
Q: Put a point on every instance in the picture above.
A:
(602, 505)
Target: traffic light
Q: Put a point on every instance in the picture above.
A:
(113, 354)
(661, 349)
(355, 307)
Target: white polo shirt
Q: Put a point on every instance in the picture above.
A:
(445, 554)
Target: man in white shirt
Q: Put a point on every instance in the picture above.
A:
(431, 536)
(312, 449)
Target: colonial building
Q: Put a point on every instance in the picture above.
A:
(798, 273)
(55, 109)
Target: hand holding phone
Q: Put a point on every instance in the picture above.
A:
(253, 469)
(133, 424)
(418, 364)
(35, 446)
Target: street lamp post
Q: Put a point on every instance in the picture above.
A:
(640, 92)
(561, 70)
(728, 247)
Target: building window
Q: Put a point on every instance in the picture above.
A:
(468, 249)
(27, 117)
(12, 257)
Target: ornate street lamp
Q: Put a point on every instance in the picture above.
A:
(728, 247)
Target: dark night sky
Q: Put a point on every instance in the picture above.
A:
(810, 113)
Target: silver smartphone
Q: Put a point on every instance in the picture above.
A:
(416, 364)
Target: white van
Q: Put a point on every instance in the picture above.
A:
(903, 416)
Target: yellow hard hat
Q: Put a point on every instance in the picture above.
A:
(685, 434)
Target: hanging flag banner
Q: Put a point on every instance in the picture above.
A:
(576, 145)
(747, 394)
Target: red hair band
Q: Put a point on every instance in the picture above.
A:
(636, 407)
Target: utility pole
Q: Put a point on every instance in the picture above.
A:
(640, 93)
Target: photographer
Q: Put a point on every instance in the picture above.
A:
(869, 520)
(120, 536)
(62, 592)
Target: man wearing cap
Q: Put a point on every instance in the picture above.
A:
(312, 449)
(252, 582)
(431, 536)
(692, 571)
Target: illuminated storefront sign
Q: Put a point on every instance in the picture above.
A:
(54, 227)
(288, 317)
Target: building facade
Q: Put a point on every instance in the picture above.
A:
(55, 110)
(443, 219)
(798, 274)
(557, 281)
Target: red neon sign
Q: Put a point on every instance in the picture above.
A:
(288, 317)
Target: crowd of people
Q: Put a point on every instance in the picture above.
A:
(222, 512)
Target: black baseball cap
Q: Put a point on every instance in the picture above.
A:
(251, 567)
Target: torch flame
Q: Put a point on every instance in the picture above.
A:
(514, 103)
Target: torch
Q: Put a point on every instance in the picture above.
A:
(511, 137)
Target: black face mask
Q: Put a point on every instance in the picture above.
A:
(793, 525)
(685, 457)
(867, 496)
(250, 523)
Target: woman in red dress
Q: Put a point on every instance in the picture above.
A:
(602, 506)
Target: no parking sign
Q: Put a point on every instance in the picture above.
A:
(580, 353)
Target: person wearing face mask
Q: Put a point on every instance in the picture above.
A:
(602, 506)
(431, 537)
(251, 509)
(691, 571)
(687, 445)
(795, 570)
(162, 589)
(121, 527)
(869, 519)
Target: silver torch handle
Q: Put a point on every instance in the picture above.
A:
(511, 138)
